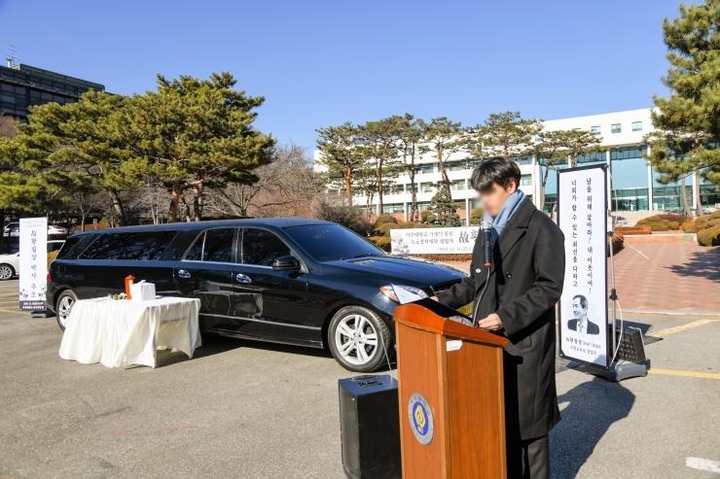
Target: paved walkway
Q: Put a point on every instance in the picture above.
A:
(682, 277)
(677, 277)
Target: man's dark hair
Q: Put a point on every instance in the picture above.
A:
(495, 170)
(583, 300)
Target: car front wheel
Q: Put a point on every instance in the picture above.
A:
(359, 339)
(6, 272)
(63, 306)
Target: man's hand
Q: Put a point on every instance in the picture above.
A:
(492, 323)
(435, 298)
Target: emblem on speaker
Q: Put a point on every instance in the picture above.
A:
(421, 419)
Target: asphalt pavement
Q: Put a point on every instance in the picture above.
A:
(247, 410)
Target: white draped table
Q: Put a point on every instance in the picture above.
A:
(120, 333)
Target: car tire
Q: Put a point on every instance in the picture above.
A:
(359, 339)
(63, 306)
(6, 272)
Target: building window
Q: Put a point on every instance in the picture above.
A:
(427, 187)
(425, 169)
(458, 185)
(615, 128)
(526, 180)
(595, 130)
(637, 126)
(393, 208)
(456, 165)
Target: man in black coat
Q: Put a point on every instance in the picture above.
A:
(516, 297)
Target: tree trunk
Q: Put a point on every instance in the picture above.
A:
(413, 189)
(445, 180)
(118, 211)
(198, 201)
(683, 195)
(380, 187)
(348, 184)
(174, 211)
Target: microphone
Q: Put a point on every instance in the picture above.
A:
(486, 229)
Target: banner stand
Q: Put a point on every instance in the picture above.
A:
(632, 367)
(605, 350)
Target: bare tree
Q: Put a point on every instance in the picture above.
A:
(284, 187)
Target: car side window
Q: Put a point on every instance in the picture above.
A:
(214, 245)
(261, 247)
(133, 246)
(195, 252)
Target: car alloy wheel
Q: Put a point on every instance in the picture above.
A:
(358, 339)
(6, 272)
(64, 305)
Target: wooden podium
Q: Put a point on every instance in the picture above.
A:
(452, 411)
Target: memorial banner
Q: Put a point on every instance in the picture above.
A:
(459, 240)
(33, 263)
(582, 217)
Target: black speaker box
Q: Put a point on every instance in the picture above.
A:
(370, 427)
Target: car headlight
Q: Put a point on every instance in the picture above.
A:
(402, 293)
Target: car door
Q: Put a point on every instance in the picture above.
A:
(281, 294)
(206, 273)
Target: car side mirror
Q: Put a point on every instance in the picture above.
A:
(286, 263)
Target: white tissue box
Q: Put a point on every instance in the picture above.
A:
(142, 291)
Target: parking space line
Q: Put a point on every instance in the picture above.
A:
(702, 464)
(686, 374)
(683, 327)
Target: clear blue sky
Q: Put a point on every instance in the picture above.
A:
(322, 62)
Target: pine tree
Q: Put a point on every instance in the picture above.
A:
(688, 121)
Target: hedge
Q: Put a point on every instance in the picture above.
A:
(706, 227)
(709, 236)
(633, 230)
(662, 222)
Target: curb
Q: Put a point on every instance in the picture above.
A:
(673, 312)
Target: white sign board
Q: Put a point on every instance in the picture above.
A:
(33, 263)
(582, 217)
(458, 240)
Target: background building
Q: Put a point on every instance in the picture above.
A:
(633, 183)
(22, 86)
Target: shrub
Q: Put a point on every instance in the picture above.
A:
(701, 223)
(476, 216)
(688, 226)
(383, 219)
(662, 222)
(381, 233)
(381, 242)
(709, 236)
(347, 216)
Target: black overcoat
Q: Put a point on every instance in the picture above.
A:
(525, 282)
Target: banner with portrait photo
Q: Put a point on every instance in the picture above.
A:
(582, 217)
(33, 263)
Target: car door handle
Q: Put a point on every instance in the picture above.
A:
(243, 278)
(184, 274)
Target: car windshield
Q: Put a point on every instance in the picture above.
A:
(331, 242)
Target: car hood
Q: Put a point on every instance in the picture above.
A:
(401, 270)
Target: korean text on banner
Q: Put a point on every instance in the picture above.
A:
(458, 240)
(33, 263)
(582, 217)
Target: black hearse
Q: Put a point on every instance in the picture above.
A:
(288, 280)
